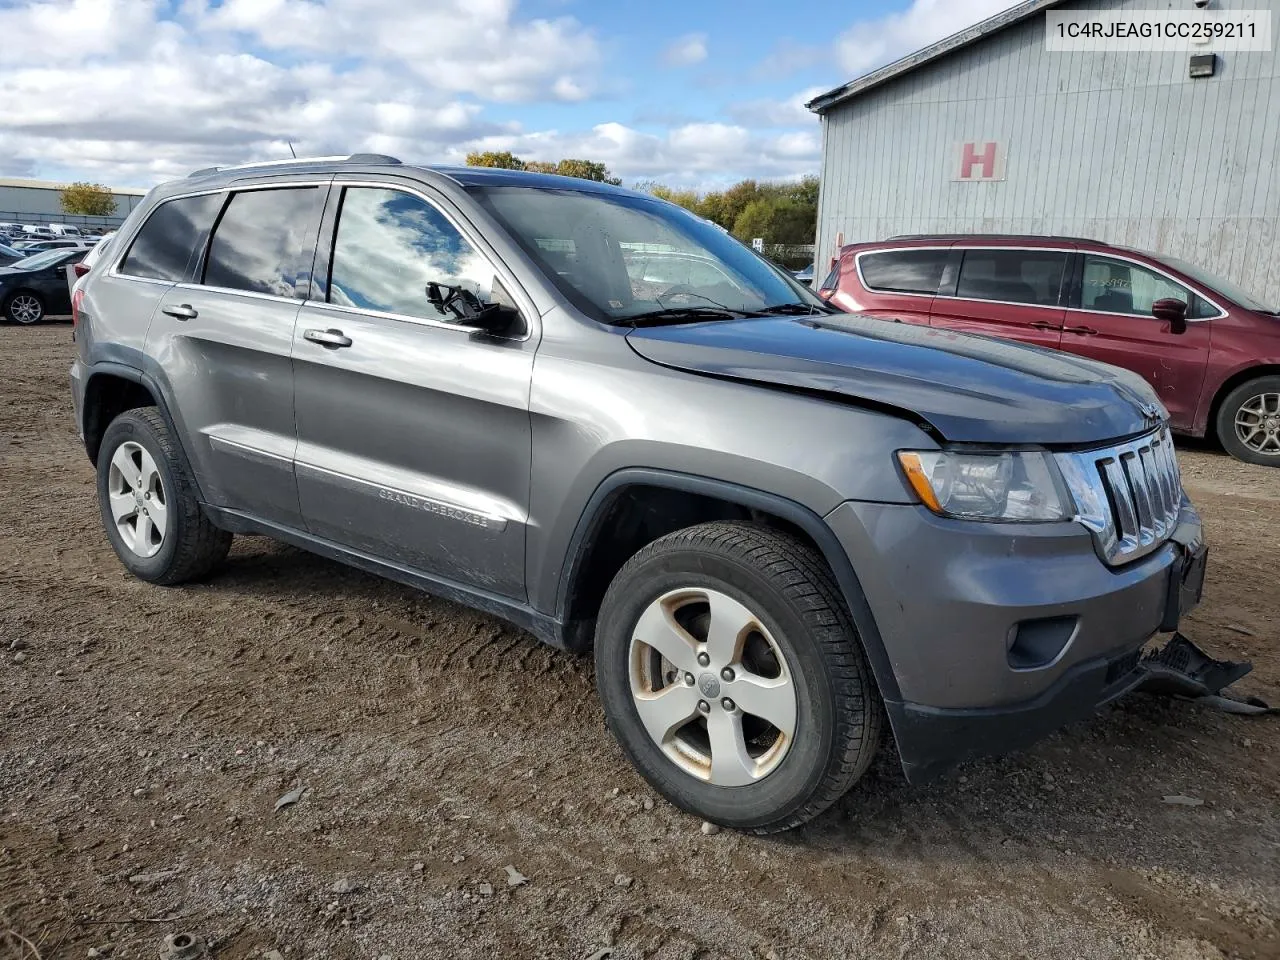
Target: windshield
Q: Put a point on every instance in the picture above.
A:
(42, 259)
(619, 257)
(1216, 284)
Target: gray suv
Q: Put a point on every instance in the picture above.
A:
(598, 416)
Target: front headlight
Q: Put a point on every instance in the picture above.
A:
(1013, 486)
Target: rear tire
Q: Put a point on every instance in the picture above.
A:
(25, 308)
(1248, 422)
(787, 631)
(149, 505)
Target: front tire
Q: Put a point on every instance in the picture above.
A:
(1249, 422)
(732, 676)
(150, 510)
(25, 308)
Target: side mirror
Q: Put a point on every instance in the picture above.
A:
(468, 310)
(1172, 311)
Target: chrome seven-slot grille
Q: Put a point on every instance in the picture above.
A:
(1129, 495)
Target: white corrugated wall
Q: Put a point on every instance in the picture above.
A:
(1121, 147)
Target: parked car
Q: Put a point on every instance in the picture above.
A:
(34, 232)
(805, 276)
(94, 255)
(775, 524)
(60, 244)
(64, 230)
(36, 286)
(8, 255)
(1210, 349)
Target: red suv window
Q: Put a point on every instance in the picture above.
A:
(903, 271)
(1013, 276)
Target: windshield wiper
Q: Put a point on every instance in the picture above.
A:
(793, 310)
(680, 315)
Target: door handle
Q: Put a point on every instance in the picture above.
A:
(333, 339)
(181, 312)
(1042, 325)
(1083, 331)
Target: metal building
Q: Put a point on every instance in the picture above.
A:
(988, 132)
(37, 201)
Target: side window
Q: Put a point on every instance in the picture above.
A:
(904, 271)
(1202, 309)
(174, 231)
(833, 278)
(390, 245)
(1114, 286)
(265, 242)
(1013, 276)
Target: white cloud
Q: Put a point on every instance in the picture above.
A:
(873, 43)
(686, 51)
(790, 112)
(123, 95)
(471, 46)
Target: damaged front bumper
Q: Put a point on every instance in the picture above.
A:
(932, 740)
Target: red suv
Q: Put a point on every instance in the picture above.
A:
(1210, 349)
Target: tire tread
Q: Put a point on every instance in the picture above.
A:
(201, 546)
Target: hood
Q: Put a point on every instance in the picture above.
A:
(968, 388)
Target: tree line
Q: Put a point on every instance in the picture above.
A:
(778, 213)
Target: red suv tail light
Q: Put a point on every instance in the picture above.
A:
(77, 298)
(81, 269)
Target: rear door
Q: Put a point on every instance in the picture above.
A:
(1110, 320)
(898, 283)
(414, 440)
(1012, 293)
(224, 339)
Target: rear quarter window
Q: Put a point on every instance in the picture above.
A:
(266, 241)
(903, 271)
(168, 241)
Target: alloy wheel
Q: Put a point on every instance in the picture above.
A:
(712, 687)
(25, 308)
(1258, 424)
(137, 499)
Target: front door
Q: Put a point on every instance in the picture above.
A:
(1110, 320)
(223, 340)
(413, 432)
(1010, 293)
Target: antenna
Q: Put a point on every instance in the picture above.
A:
(291, 150)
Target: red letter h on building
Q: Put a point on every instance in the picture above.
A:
(970, 158)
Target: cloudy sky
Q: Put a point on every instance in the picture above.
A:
(689, 92)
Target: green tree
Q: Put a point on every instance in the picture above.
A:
(569, 167)
(504, 160)
(793, 221)
(756, 220)
(684, 198)
(87, 199)
(806, 191)
(586, 170)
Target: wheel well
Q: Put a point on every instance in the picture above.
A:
(13, 293)
(633, 517)
(106, 396)
(1244, 376)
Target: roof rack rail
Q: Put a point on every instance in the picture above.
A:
(990, 236)
(361, 158)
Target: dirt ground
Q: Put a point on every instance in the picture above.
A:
(146, 735)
